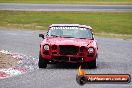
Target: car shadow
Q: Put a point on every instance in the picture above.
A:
(63, 66)
(67, 66)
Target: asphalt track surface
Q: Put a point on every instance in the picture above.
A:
(65, 7)
(115, 57)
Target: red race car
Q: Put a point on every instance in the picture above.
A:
(72, 43)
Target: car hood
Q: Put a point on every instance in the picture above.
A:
(68, 41)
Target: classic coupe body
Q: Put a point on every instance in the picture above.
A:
(72, 43)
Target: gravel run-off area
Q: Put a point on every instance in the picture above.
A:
(12, 64)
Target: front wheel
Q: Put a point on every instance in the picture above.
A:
(91, 64)
(42, 62)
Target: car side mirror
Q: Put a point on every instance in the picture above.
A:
(41, 35)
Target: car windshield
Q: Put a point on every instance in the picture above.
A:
(70, 32)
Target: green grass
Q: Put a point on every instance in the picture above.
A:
(70, 1)
(102, 22)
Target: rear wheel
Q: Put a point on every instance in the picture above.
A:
(42, 62)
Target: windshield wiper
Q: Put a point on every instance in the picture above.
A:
(54, 35)
(68, 37)
(82, 38)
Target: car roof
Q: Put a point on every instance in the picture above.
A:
(71, 25)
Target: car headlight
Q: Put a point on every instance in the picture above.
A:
(90, 50)
(46, 47)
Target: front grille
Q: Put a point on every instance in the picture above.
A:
(61, 58)
(68, 59)
(68, 49)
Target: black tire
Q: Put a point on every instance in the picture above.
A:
(91, 64)
(42, 62)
